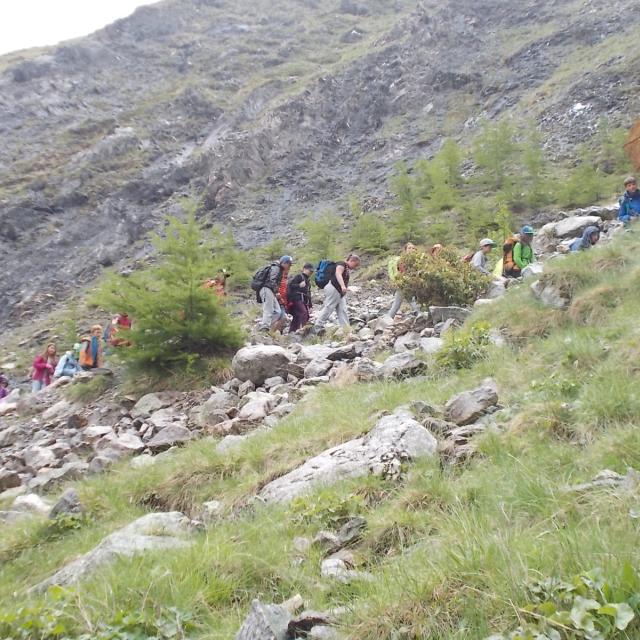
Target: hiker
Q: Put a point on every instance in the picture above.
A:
(4, 388)
(590, 236)
(218, 284)
(629, 202)
(91, 355)
(68, 365)
(396, 267)
(335, 292)
(517, 253)
(299, 298)
(267, 283)
(119, 321)
(43, 368)
(436, 249)
(479, 260)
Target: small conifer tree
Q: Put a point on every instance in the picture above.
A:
(408, 223)
(176, 321)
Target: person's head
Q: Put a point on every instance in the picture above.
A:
(592, 234)
(436, 249)
(285, 263)
(308, 269)
(486, 244)
(50, 351)
(96, 331)
(410, 247)
(526, 234)
(4, 382)
(631, 184)
(353, 261)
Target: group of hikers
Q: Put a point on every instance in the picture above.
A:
(282, 294)
(86, 355)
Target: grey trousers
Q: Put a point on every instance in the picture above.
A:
(271, 309)
(333, 301)
(397, 303)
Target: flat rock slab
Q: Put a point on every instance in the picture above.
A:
(265, 622)
(396, 437)
(442, 314)
(153, 532)
(168, 437)
(153, 402)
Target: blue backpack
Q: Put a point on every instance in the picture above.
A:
(324, 272)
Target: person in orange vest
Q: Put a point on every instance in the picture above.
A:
(218, 284)
(91, 355)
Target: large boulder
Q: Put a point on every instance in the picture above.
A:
(468, 406)
(260, 362)
(153, 532)
(395, 439)
(574, 226)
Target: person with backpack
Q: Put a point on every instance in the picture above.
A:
(43, 368)
(629, 202)
(590, 237)
(396, 267)
(479, 260)
(299, 298)
(333, 277)
(267, 285)
(68, 364)
(518, 253)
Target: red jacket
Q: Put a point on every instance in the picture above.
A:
(42, 372)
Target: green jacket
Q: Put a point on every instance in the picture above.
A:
(393, 268)
(523, 255)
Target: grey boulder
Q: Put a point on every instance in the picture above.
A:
(396, 438)
(152, 532)
(260, 362)
(168, 437)
(468, 406)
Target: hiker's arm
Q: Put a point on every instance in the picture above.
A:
(339, 278)
(517, 255)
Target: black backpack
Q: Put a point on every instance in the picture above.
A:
(260, 278)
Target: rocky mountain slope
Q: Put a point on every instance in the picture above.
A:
(268, 110)
(476, 481)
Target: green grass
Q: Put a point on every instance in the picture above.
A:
(451, 549)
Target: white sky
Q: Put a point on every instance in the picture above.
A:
(35, 23)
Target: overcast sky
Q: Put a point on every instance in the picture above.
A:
(35, 23)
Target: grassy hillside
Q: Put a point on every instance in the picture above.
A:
(452, 549)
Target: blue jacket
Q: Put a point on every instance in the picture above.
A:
(629, 206)
(580, 244)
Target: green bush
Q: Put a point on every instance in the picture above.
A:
(325, 509)
(463, 348)
(441, 280)
(586, 607)
(176, 322)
